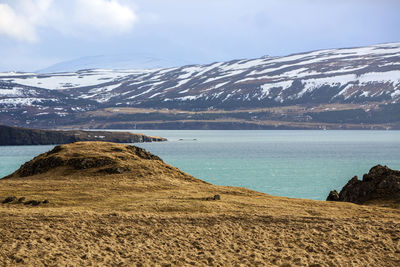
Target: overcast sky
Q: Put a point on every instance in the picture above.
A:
(37, 33)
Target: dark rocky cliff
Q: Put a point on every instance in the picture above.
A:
(379, 184)
(23, 136)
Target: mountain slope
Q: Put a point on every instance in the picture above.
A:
(359, 76)
(121, 61)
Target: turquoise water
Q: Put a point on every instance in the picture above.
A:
(301, 164)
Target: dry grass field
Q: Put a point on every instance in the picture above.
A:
(116, 205)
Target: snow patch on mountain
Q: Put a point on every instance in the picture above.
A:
(381, 77)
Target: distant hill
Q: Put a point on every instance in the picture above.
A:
(122, 61)
(349, 86)
(23, 136)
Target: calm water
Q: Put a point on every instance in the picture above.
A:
(301, 164)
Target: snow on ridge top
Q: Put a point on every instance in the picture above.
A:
(388, 76)
(122, 70)
(65, 80)
(13, 73)
(244, 64)
(325, 54)
(189, 71)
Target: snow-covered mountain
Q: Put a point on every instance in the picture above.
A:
(349, 75)
(120, 61)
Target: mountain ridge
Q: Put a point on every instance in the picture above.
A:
(117, 61)
(365, 76)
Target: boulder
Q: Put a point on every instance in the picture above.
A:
(9, 199)
(333, 196)
(217, 197)
(32, 202)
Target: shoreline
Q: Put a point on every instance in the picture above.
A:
(152, 213)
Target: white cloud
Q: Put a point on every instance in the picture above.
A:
(105, 15)
(21, 19)
(21, 22)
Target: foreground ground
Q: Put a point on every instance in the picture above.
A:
(151, 213)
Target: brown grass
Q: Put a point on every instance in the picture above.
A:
(154, 214)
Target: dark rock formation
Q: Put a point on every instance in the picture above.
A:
(380, 183)
(33, 202)
(41, 165)
(23, 136)
(87, 163)
(9, 199)
(333, 196)
(217, 197)
(141, 153)
(22, 199)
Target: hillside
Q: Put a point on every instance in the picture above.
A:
(23, 136)
(99, 203)
(350, 86)
(119, 61)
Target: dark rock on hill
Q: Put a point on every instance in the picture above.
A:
(379, 184)
(9, 199)
(23, 136)
(333, 196)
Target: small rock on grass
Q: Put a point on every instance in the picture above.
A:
(32, 202)
(217, 197)
(9, 199)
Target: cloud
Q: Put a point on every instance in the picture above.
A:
(105, 15)
(20, 23)
(21, 19)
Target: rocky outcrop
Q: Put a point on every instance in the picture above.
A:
(23, 136)
(380, 182)
(81, 160)
(333, 196)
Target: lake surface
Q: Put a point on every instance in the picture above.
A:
(301, 164)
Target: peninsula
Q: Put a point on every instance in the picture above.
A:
(24, 136)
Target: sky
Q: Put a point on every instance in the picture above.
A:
(35, 34)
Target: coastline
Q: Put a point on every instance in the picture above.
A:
(162, 216)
